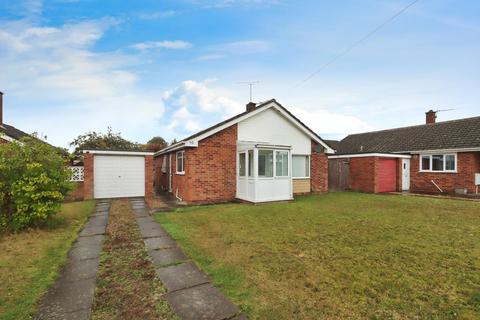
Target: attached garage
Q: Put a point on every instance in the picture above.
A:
(118, 174)
(369, 172)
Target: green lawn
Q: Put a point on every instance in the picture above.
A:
(340, 256)
(30, 261)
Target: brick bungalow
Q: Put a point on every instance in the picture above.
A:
(8, 133)
(441, 157)
(262, 154)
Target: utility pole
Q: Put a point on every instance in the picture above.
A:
(251, 84)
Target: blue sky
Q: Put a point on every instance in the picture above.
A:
(170, 68)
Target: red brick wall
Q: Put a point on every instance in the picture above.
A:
(88, 175)
(210, 170)
(318, 170)
(362, 174)
(468, 164)
(149, 176)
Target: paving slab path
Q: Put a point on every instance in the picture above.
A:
(71, 296)
(189, 290)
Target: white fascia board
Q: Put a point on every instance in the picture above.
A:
(120, 153)
(363, 155)
(443, 150)
(7, 138)
(173, 147)
(272, 104)
(305, 130)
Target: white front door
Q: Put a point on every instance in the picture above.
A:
(405, 174)
(118, 176)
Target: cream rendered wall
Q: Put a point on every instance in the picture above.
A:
(271, 127)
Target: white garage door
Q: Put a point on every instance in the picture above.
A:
(118, 176)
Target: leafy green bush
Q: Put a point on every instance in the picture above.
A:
(33, 183)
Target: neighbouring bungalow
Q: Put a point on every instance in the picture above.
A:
(7, 132)
(263, 154)
(441, 157)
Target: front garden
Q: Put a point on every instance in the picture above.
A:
(340, 256)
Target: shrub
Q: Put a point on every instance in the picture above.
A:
(33, 183)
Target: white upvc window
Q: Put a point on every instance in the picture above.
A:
(281, 163)
(438, 162)
(300, 166)
(180, 162)
(265, 163)
(164, 164)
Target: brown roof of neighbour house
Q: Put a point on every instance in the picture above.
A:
(454, 134)
(259, 105)
(12, 132)
(333, 143)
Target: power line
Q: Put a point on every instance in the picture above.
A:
(356, 43)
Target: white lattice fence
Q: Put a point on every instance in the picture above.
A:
(77, 174)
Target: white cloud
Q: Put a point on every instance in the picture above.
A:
(70, 87)
(157, 15)
(220, 51)
(177, 44)
(194, 105)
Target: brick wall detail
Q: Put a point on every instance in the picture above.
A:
(301, 186)
(88, 175)
(318, 170)
(468, 163)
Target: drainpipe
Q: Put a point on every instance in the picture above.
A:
(176, 195)
(436, 185)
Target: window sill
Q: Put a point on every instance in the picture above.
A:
(180, 173)
(300, 178)
(431, 171)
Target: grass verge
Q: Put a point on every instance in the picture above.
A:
(30, 261)
(340, 256)
(127, 287)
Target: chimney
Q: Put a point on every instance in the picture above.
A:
(431, 116)
(251, 106)
(1, 108)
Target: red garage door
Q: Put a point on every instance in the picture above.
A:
(387, 175)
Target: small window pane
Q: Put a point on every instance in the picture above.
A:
(241, 164)
(425, 162)
(265, 163)
(437, 162)
(281, 158)
(250, 163)
(450, 162)
(180, 162)
(301, 166)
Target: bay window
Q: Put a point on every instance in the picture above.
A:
(300, 166)
(281, 163)
(265, 163)
(438, 163)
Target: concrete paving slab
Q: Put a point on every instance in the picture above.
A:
(159, 243)
(67, 297)
(141, 214)
(204, 302)
(96, 240)
(163, 257)
(144, 220)
(181, 276)
(152, 231)
(97, 221)
(91, 231)
(79, 270)
(82, 252)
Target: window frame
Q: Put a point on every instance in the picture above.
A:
(288, 164)
(273, 164)
(164, 164)
(309, 166)
(182, 152)
(430, 167)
